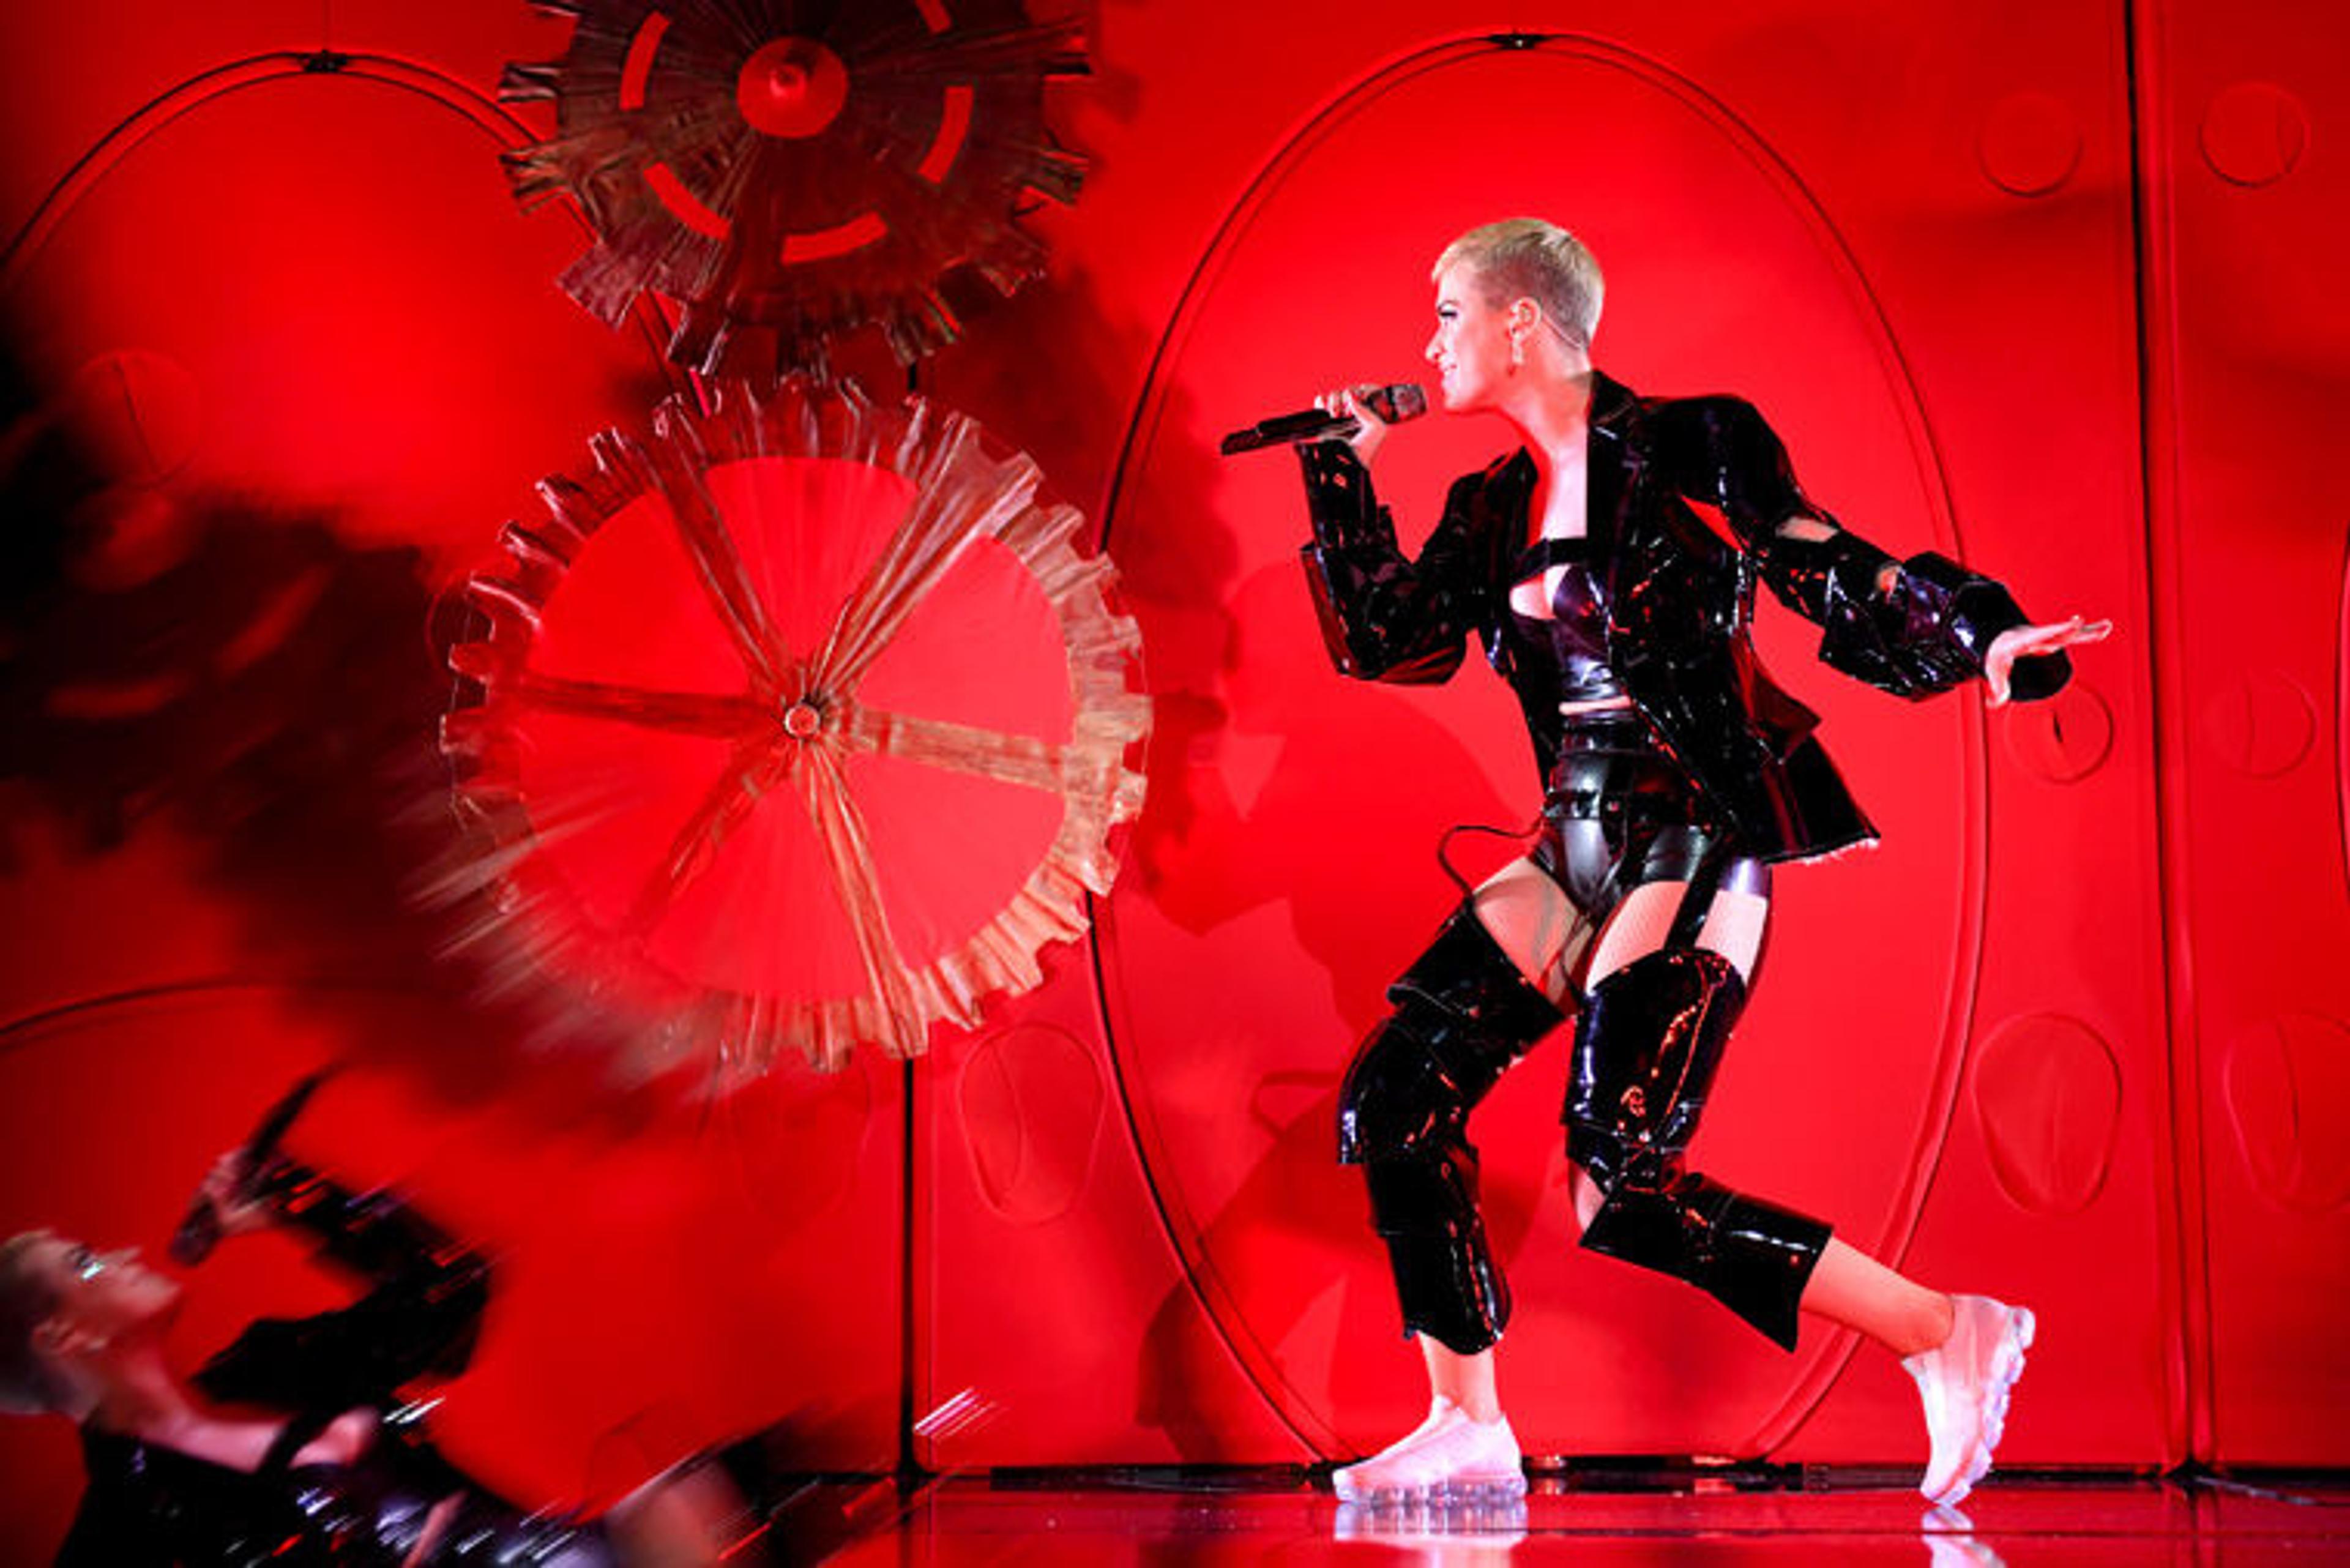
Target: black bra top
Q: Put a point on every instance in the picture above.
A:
(1576, 631)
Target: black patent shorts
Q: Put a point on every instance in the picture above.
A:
(1621, 813)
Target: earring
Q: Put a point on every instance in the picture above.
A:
(1517, 352)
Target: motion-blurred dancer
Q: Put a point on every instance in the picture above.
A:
(287, 1449)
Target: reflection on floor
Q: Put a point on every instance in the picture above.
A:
(1609, 1517)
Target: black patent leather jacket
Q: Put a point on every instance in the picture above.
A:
(1686, 497)
(147, 1504)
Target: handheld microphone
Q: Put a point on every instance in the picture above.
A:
(1393, 405)
(199, 1231)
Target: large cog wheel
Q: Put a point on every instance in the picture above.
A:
(799, 726)
(788, 172)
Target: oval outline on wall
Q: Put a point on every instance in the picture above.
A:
(1825, 1362)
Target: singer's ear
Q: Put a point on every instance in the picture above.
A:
(62, 1339)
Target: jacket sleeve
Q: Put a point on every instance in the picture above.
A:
(1911, 627)
(1384, 617)
(420, 1317)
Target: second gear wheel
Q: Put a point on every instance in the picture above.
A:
(788, 173)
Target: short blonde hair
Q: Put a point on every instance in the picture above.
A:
(1534, 259)
(26, 1385)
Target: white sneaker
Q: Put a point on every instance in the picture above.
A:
(1447, 1457)
(1964, 1382)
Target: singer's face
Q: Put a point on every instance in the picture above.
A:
(105, 1293)
(1471, 350)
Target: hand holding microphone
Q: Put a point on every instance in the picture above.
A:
(1359, 415)
(224, 1203)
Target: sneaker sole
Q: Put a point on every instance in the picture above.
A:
(1456, 1490)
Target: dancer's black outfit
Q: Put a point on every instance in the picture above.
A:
(1709, 774)
(150, 1504)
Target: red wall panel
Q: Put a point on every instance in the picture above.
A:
(2248, 350)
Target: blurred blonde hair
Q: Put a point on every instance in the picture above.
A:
(27, 1385)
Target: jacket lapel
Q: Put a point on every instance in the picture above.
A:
(1614, 460)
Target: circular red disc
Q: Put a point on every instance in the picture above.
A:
(792, 87)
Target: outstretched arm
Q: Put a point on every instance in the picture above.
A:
(1918, 627)
(1912, 628)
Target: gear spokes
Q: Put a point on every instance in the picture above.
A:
(676, 659)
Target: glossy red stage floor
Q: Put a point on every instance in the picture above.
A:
(1611, 1519)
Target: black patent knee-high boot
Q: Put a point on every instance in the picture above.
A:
(1462, 1015)
(1647, 1045)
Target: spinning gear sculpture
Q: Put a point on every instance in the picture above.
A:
(789, 171)
(799, 724)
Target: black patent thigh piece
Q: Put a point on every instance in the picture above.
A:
(1465, 975)
(1462, 1015)
(1647, 1045)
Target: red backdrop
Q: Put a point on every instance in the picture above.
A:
(2046, 286)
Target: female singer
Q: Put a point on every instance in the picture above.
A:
(1677, 776)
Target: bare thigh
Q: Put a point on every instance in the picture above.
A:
(1734, 925)
(1530, 919)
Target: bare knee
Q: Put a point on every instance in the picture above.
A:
(1586, 1195)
